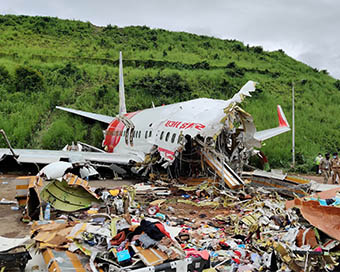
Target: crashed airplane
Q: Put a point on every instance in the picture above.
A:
(195, 138)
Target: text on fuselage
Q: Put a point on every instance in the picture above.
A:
(184, 125)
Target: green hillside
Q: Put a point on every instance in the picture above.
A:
(46, 62)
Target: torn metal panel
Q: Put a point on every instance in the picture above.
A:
(320, 187)
(265, 174)
(77, 181)
(325, 218)
(21, 189)
(65, 197)
(55, 170)
(87, 171)
(8, 243)
(222, 170)
(59, 260)
(151, 256)
(279, 182)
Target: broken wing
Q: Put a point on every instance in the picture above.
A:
(49, 156)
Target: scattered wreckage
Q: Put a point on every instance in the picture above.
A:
(165, 226)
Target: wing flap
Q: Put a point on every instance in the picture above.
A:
(95, 116)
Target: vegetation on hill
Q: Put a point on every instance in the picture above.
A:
(46, 62)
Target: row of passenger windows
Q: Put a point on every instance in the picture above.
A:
(137, 134)
(173, 137)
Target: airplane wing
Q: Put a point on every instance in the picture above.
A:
(95, 116)
(49, 156)
(269, 133)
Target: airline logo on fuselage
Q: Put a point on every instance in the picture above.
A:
(184, 125)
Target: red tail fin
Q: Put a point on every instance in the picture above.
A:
(282, 118)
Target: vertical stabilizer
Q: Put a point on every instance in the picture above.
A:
(122, 107)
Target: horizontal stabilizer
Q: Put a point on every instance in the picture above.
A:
(269, 133)
(95, 116)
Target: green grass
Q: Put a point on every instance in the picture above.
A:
(46, 62)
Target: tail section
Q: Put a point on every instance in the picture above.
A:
(282, 118)
(122, 107)
(269, 133)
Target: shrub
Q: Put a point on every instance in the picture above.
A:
(258, 49)
(4, 75)
(28, 80)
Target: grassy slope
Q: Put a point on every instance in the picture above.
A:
(46, 62)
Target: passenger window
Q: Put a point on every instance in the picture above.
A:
(150, 133)
(161, 137)
(127, 136)
(173, 137)
(132, 133)
(140, 132)
(167, 136)
(146, 134)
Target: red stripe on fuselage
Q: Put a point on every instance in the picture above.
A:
(114, 132)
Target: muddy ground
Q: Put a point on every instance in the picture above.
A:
(11, 226)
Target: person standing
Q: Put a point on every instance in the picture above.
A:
(335, 167)
(317, 161)
(325, 167)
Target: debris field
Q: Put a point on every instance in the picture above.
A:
(166, 226)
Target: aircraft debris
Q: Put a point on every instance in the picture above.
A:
(279, 182)
(321, 210)
(70, 194)
(55, 170)
(135, 229)
(13, 253)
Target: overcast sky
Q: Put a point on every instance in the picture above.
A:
(307, 30)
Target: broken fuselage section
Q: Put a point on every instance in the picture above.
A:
(201, 137)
